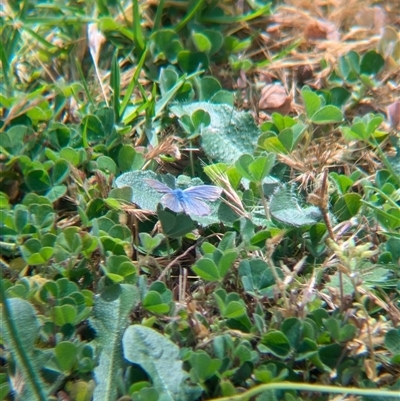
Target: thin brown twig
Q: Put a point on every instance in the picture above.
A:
(173, 262)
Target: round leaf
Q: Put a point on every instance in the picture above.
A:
(38, 180)
(327, 115)
(347, 206)
(206, 269)
(201, 42)
(191, 62)
(66, 352)
(60, 171)
(277, 343)
(371, 63)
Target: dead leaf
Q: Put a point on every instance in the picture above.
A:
(319, 29)
(370, 369)
(96, 39)
(373, 18)
(393, 111)
(275, 98)
(242, 80)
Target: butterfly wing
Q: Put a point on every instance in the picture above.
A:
(189, 200)
(158, 186)
(195, 206)
(204, 192)
(171, 201)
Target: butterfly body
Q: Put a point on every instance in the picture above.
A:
(190, 200)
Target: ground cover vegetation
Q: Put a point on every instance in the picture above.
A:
(285, 287)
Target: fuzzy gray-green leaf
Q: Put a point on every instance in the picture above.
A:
(19, 332)
(159, 357)
(110, 314)
(229, 134)
(285, 208)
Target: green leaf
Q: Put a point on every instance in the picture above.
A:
(106, 115)
(153, 302)
(129, 159)
(158, 356)
(166, 44)
(203, 367)
(282, 122)
(20, 219)
(66, 353)
(60, 171)
(256, 169)
(137, 28)
(242, 165)
(392, 341)
(333, 327)
(347, 333)
(327, 115)
(290, 137)
(330, 355)
(276, 343)
(227, 242)
(120, 266)
(349, 66)
(209, 86)
(168, 79)
(306, 349)
(19, 330)
(234, 310)
(293, 330)
(73, 156)
(38, 180)
(148, 242)
(115, 82)
(57, 192)
(191, 62)
(223, 97)
(340, 96)
(230, 133)
(142, 194)
(13, 140)
(68, 244)
(175, 225)
(261, 166)
(207, 270)
(226, 261)
(347, 206)
(201, 42)
(272, 143)
(285, 208)
(257, 278)
(216, 39)
(371, 63)
(312, 102)
(234, 45)
(92, 129)
(200, 119)
(342, 181)
(106, 164)
(109, 319)
(64, 314)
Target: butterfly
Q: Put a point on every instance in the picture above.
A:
(190, 200)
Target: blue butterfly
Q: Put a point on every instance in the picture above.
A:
(190, 200)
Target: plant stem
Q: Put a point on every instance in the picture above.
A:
(264, 202)
(310, 387)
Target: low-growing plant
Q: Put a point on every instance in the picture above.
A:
(286, 290)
